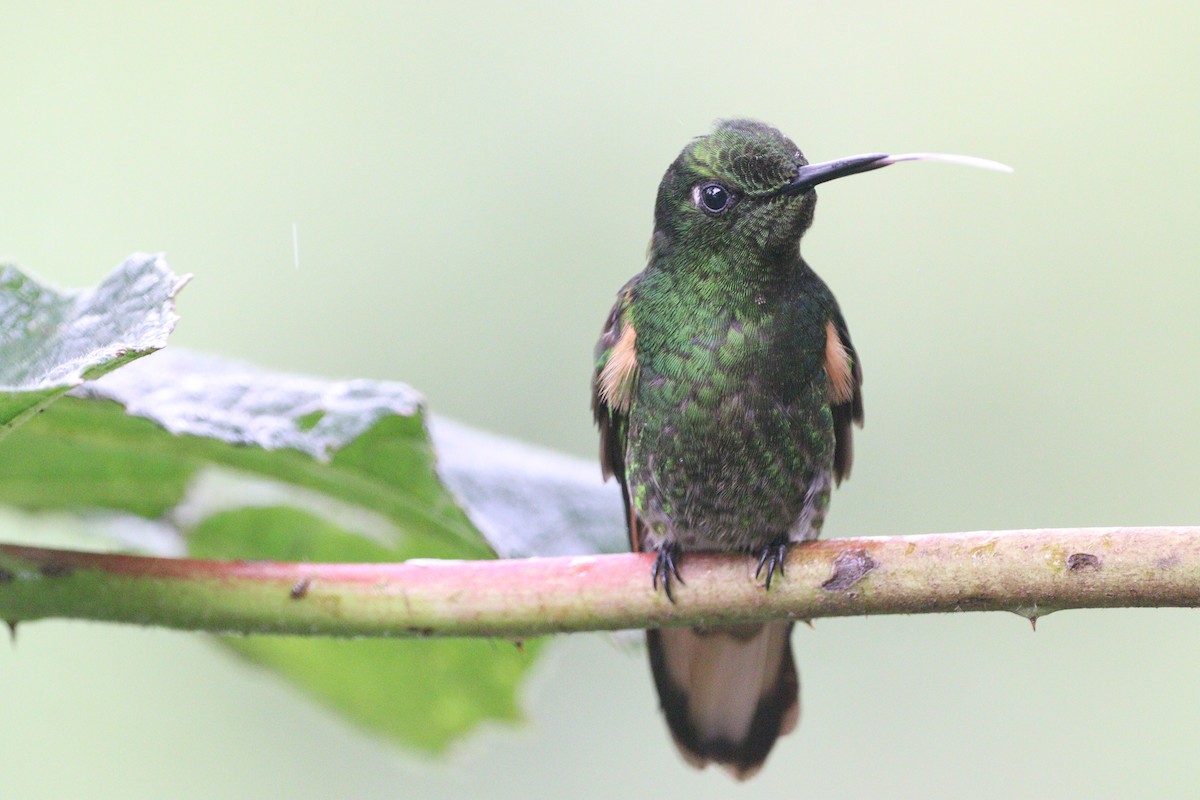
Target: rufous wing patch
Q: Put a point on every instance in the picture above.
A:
(838, 367)
(619, 371)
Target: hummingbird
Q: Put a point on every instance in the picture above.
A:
(726, 388)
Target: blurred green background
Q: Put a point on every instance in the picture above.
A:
(472, 183)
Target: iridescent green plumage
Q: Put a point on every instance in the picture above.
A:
(728, 436)
(725, 389)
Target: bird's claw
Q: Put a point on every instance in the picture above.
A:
(666, 568)
(773, 557)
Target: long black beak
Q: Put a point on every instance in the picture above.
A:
(812, 174)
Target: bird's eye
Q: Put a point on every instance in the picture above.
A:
(713, 197)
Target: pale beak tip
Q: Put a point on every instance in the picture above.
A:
(949, 158)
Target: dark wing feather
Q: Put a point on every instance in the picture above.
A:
(847, 413)
(610, 419)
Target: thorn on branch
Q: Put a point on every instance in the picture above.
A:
(300, 590)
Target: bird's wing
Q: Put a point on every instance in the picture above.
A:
(845, 392)
(614, 384)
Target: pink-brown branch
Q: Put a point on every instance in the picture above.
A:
(1032, 572)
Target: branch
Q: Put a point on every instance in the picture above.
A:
(1031, 573)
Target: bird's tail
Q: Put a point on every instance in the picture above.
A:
(727, 693)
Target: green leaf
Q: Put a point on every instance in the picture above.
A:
(423, 692)
(51, 341)
(238, 463)
(232, 462)
(143, 437)
(225, 461)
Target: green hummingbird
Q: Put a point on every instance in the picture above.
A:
(726, 388)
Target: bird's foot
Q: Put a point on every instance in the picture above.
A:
(665, 567)
(772, 559)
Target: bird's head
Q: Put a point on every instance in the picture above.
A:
(747, 189)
